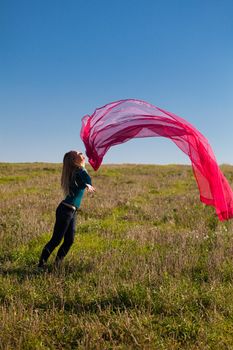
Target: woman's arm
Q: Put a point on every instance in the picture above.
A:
(86, 179)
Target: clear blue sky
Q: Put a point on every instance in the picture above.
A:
(59, 60)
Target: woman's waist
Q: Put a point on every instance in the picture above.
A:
(69, 205)
(74, 200)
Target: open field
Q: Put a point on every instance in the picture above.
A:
(151, 266)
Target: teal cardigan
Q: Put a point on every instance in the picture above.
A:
(79, 182)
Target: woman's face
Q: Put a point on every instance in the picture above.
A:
(81, 157)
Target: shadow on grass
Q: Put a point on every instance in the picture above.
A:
(26, 272)
(78, 306)
(114, 303)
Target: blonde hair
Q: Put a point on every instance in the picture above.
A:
(71, 161)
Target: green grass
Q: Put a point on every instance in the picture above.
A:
(151, 266)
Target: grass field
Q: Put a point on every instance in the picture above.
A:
(151, 266)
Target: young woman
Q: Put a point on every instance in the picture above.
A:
(74, 181)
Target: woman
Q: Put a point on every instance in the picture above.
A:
(74, 180)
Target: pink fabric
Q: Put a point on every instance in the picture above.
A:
(123, 120)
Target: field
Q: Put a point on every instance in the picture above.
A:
(151, 266)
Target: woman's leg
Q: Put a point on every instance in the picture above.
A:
(63, 218)
(68, 240)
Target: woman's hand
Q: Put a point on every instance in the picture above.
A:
(90, 188)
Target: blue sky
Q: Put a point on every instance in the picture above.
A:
(59, 60)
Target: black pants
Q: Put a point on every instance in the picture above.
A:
(64, 227)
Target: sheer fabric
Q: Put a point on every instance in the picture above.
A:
(120, 121)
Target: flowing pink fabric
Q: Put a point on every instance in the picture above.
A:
(120, 121)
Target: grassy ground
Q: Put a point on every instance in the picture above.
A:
(151, 267)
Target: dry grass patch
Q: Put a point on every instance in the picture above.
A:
(151, 267)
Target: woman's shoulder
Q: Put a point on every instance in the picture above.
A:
(80, 170)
